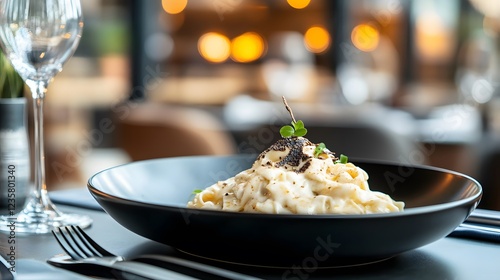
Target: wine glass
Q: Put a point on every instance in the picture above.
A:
(38, 37)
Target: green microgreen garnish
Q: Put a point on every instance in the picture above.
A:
(197, 191)
(343, 159)
(319, 149)
(297, 128)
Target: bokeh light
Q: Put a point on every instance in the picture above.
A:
(159, 46)
(365, 37)
(317, 39)
(247, 47)
(214, 47)
(174, 6)
(433, 39)
(298, 4)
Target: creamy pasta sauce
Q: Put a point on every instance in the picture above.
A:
(289, 178)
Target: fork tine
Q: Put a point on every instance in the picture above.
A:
(91, 244)
(77, 240)
(66, 244)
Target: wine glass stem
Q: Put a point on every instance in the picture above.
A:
(38, 89)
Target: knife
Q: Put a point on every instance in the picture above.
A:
(485, 217)
(204, 271)
(123, 270)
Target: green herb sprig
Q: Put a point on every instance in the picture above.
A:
(197, 191)
(320, 148)
(297, 128)
(343, 159)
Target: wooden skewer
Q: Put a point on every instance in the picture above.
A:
(288, 109)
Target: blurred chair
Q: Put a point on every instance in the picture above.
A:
(367, 141)
(488, 171)
(489, 178)
(151, 130)
(357, 141)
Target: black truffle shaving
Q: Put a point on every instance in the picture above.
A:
(296, 154)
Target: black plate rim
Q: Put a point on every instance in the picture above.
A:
(98, 194)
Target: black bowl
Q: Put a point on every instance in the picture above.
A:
(149, 198)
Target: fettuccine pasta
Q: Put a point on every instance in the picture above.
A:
(290, 177)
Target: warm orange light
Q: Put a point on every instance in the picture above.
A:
(247, 47)
(317, 39)
(365, 37)
(174, 6)
(214, 47)
(298, 4)
(433, 40)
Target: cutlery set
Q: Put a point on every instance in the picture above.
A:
(480, 225)
(88, 257)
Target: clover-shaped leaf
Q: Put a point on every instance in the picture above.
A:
(296, 129)
(299, 128)
(298, 125)
(287, 131)
(300, 132)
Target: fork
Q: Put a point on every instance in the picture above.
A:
(96, 260)
(79, 246)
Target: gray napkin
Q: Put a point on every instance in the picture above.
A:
(75, 197)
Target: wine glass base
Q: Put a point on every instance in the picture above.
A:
(39, 223)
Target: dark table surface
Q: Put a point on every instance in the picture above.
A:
(448, 258)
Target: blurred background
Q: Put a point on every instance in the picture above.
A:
(395, 80)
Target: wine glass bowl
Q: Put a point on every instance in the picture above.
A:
(40, 40)
(38, 37)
